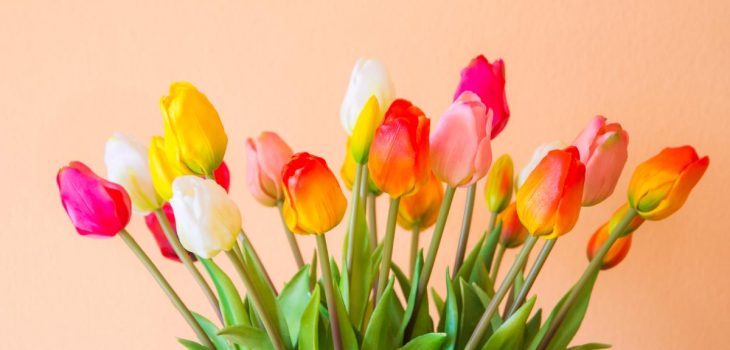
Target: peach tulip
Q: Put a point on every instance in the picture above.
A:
(267, 155)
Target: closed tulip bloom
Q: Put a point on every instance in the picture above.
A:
(460, 146)
(619, 214)
(313, 200)
(487, 80)
(347, 173)
(616, 253)
(369, 78)
(159, 234)
(206, 218)
(267, 154)
(222, 176)
(362, 136)
(603, 149)
(194, 133)
(661, 185)
(500, 184)
(513, 232)
(540, 153)
(127, 165)
(97, 208)
(164, 169)
(549, 202)
(399, 152)
(422, 207)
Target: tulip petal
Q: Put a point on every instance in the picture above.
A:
(604, 167)
(679, 193)
(454, 144)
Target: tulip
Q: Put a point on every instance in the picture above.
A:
(603, 149)
(513, 232)
(421, 208)
(347, 173)
(222, 176)
(615, 254)
(127, 164)
(194, 134)
(97, 208)
(267, 155)
(540, 153)
(313, 200)
(661, 184)
(362, 136)
(399, 152)
(549, 202)
(619, 214)
(460, 145)
(369, 78)
(487, 81)
(159, 234)
(207, 219)
(164, 169)
(500, 184)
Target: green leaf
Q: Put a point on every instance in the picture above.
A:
(233, 310)
(294, 299)
(313, 271)
(211, 330)
(533, 326)
(361, 273)
(191, 345)
(349, 340)
(423, 323)
(490, 245)
(511, 334)
(384, 331)
(309, 325)
(249, 337)
(451, 315)
(430, 341)
(468, 265)
(471, 311)
(438, 301)
(572, 321)
(403, 281)
(590, 346)
(480, 276)
(485, 299)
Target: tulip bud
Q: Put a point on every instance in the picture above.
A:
(399, 152)
(127, 165)
(362, 136)
(460, 146)
(313, 200)
(223, 176)
(513, 232)
(603, 149)
(369, 78)
(549, 202)
(422, 207)
(499, 187)
(164, 169)
(487, 81)
(540, 153)
(159, 234)
(194, 134)
(619, 215)
(661, 184)
(207, 220)
(616, 253)
(267, 155)
(97, 208)
(347, 173)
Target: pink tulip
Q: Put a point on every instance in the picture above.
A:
(267, 155)
(487, 81)
(603, 150)
(460, 146)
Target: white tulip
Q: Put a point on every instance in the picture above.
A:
(369, 77)
(539, 154)
(127, 165)
(206, 218)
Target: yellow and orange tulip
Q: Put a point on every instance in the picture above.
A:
(615, 254)
(500, 184)
(422, 207)
(347, 172)
(513, 232)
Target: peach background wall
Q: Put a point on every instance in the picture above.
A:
(72, 72)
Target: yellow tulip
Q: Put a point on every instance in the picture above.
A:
(500, 184)
(163, 168)
(347, 172)
(362, 136)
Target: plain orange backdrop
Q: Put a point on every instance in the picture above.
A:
(73, 72)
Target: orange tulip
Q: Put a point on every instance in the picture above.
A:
(422, 207)
(399, 153)
(616, 253)
(513, 232)
(619, 214)
(661, 185)
(549, 201)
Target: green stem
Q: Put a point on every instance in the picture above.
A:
(329, 290)
(256, 259)
(465, 229)
(171, 294)
(182, 253)
(594, 266)
(388, 241)
(492, 241)
(415, 234)
(236, 258)
(293, 245)
(532, 276)
(485, 321)
(352, 221)
(372, 220)
(497, 262)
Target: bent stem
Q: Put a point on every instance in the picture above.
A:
(388, 241)
(352, 220)
(293, 245)
(594, 266)
(484, 322)
(415, 234)
(171, 294)
(465, 229)
(531, 276)
(497, 262)
(182, 253)
(329, 290)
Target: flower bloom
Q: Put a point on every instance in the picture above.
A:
(549, 201)
(460, 145)
(127, 165)
(347, 173)
(603, 149)
(661, 184)
(164, 169)
(540, 153)
(207, 220)
(618, 215)
(267, 154)
(399, 152)
(156, 228)
(422, 207)
(369, 78)
(513, 232)
(362, 136)
(500, 184)
(223, 176)
(194, 134)
(97, 208)
(487, 81)
(313, 200)
(616, 253)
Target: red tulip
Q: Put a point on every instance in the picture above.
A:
(487, 81)
(223, 176)
(154, 225)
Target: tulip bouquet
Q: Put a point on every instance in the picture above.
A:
(365, 300)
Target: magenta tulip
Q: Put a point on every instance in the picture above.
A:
(487, 81)
(267, 155)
